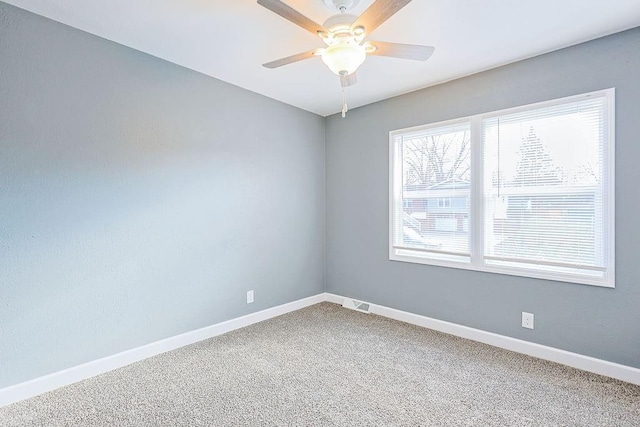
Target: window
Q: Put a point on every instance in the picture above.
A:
(444, 202)
(433, 167)
(526, 191)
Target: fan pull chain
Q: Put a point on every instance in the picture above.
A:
(345, 108)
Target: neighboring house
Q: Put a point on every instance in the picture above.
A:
(571, 211)
(441, 207)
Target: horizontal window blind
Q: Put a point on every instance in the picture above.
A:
(431, 198)
(545, 188)
(526, 191)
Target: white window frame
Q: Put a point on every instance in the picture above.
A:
(476, 223)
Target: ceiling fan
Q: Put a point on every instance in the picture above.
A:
(344, 36)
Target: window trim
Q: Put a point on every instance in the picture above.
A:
(476, 221)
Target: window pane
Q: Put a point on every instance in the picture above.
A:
(544, 188)
(434, 196)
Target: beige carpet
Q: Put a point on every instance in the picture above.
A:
(325, 366)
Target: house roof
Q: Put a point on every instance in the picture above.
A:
(449, 186)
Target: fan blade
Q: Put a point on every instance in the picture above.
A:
(377, 13)
(290, 59)
(349, 80)
(292, 15)
(404, 51)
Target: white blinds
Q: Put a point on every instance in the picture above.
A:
(431, 205)
(545, 188)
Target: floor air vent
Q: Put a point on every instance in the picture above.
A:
(352, 304)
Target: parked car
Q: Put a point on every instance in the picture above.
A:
(413, 239)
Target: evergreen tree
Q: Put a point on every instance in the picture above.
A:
(535, 166)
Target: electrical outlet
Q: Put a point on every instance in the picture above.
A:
(249, 297)
(527, 320)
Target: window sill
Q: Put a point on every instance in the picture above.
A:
(519, 272)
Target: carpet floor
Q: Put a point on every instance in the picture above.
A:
(328, 366)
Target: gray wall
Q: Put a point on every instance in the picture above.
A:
(595, 321)
(140, 200)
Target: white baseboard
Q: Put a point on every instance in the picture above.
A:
(575, 360)
(65, 377)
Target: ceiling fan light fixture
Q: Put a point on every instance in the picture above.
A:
(344, 36)
(344, 58)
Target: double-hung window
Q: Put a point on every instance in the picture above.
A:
(526, 191)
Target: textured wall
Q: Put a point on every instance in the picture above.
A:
(590, 320)
(139, 200)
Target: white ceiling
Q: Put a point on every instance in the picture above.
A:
(230, 39)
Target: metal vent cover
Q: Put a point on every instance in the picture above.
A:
(352, 304)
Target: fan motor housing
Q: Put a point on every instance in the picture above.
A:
(343, 20)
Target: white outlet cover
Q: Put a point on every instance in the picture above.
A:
(249, 297)
(527, 320)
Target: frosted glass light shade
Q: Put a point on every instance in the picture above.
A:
(344, 58)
